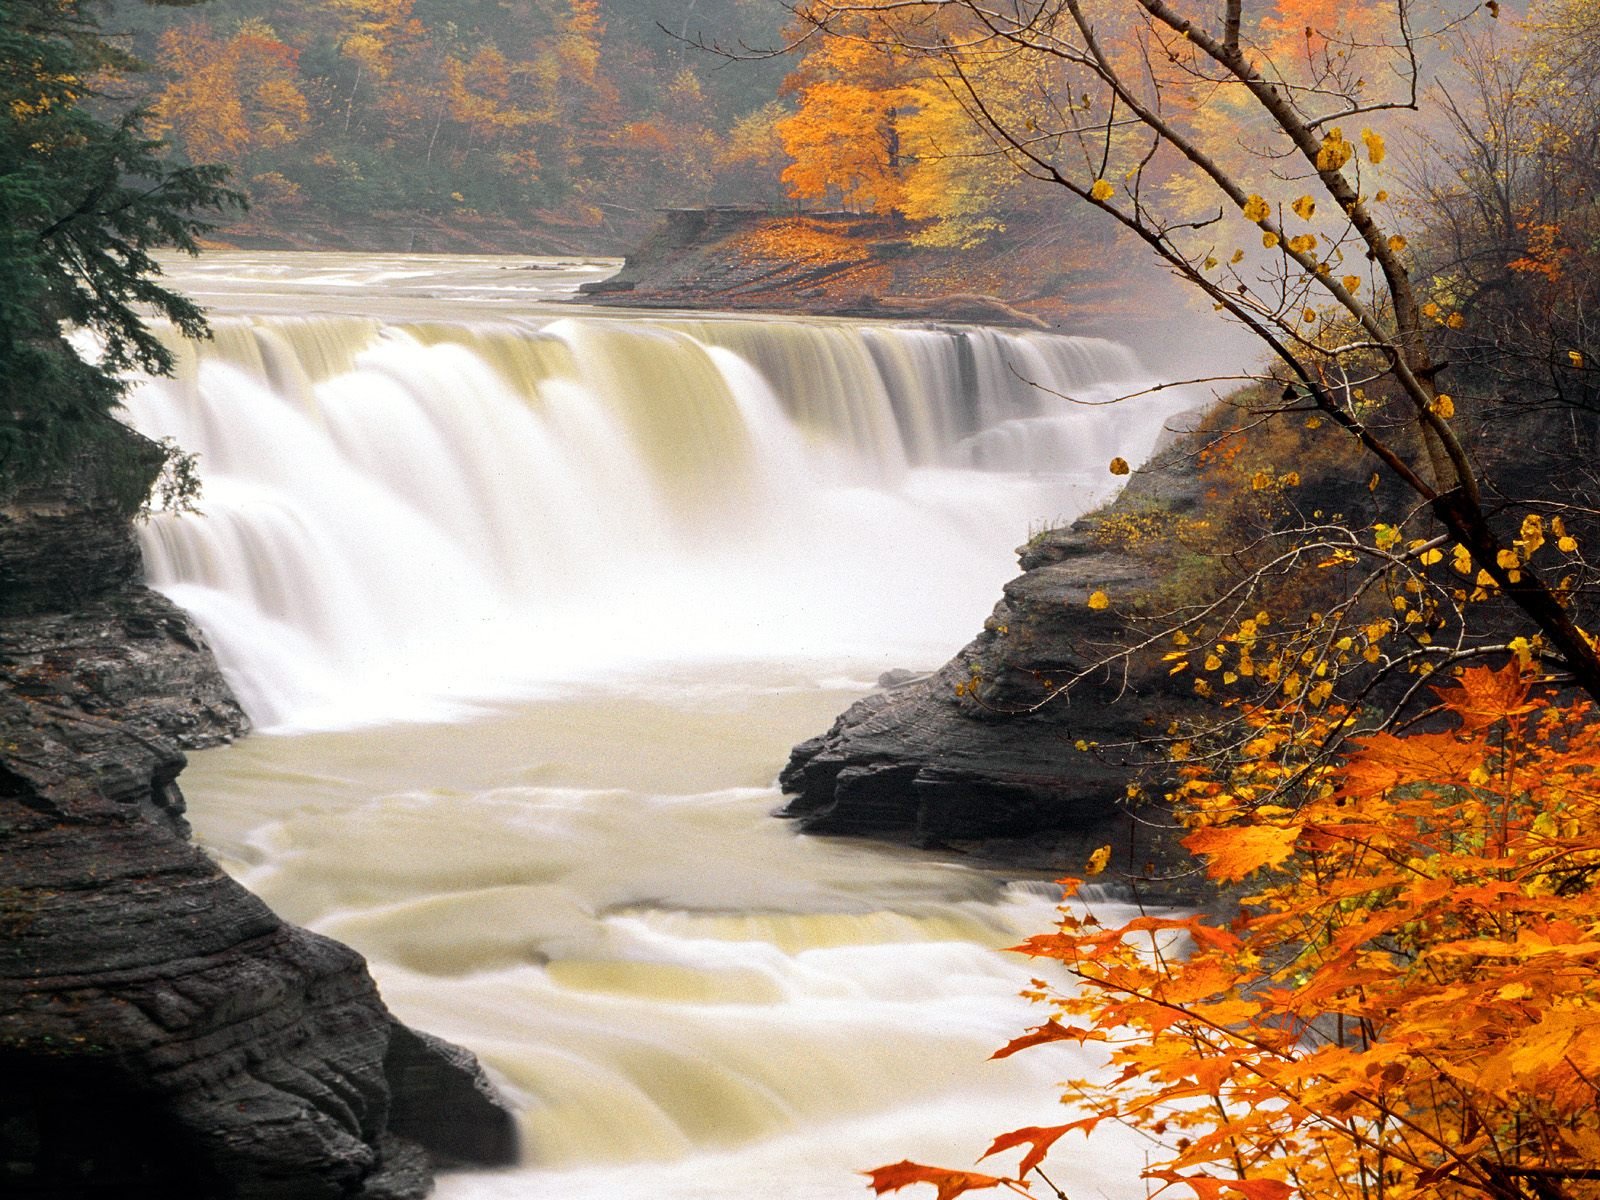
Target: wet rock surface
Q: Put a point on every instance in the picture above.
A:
(162, 1032)
(985, 756)
(256, 1058)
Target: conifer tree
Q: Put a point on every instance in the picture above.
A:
(85, 198)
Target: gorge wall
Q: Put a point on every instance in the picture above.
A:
(162, 1032)
(983, 756)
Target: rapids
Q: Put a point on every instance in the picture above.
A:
(530, 602)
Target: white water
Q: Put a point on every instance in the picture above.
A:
(603, 571)
(405, 516)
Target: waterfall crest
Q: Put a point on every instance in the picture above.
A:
(401, 517)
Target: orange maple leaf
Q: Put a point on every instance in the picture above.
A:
(1234, 851)
(1050, 1031)
(950, 1183)
(1483, 696)
(1040, 1138)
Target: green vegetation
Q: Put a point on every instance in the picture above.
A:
(85, 197)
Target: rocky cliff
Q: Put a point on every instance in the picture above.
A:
(162, 1032)
(985, 756)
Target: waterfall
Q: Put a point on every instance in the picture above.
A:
(403, 517)
(646, 556)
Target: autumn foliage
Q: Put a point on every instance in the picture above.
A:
(1408, 1003)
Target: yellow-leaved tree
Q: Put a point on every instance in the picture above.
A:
(1405, 1005)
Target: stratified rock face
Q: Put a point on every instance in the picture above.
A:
(130, 655)
(79, 631)
(979, 752)
(162, 1032)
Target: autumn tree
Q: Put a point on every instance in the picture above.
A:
(1407, 1006)
(845, 136)
(227, 98)
(1247, 148)
(1502, 192)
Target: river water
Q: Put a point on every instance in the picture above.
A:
(529, 602)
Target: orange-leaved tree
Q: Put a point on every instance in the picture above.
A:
(1248, 148)
(1408, 1004)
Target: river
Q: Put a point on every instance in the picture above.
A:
(528, 602)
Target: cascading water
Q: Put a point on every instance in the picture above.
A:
(533, 603)
(401, 514)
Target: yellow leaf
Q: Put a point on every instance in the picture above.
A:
(1568, 544)
(1097, 861)
(1313, 422)
(1334, 152)
(1381, 196)
(1520, 647)
(1213, 662)
(1256, 209)
(1101, 191)
(1507, 560)
(1260, 481)
(1374, 141)
(1304, 207)
(1269, 239)
(1308, 316)
(1428, 557)
(1372, 484)
(1430, 309)
(1397, 243)
(1443, 407)
(1210, 264)
(1305, 243)
(1238, 257)
(1098, 600)
(1352, 283)
(1575, 357)
(1118, 466)
(1455, 321)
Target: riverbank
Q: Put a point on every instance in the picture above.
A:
(865, 265)
(162, 1032)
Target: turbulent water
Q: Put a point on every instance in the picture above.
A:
(531, 601)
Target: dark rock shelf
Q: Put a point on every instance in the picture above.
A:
(163, 1034)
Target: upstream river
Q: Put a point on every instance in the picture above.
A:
(528, 603)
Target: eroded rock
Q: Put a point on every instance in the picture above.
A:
(162, 1032)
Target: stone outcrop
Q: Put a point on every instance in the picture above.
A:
(78, 629)
(872, 265)
(976, 756)
(162, 1032)
(138, 981)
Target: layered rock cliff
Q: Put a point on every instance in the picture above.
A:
(988, 755)
(162, 1032)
